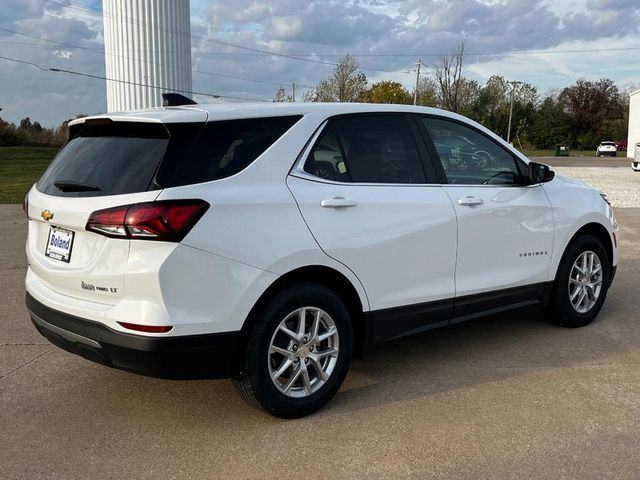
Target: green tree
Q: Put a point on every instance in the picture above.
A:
(427, 92)
(492, 104)
(387, 92)
(591, 107)
(346, 84)
(550, 125)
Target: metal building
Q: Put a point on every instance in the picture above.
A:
(147, 51)
(634, 122)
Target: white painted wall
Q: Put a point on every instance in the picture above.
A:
(634, 122)
(146, 42)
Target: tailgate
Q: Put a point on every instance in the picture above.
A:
(70, 260)
(104, 164)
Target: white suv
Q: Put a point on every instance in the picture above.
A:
(606, 149)
(272, 243)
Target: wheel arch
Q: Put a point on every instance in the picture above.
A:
(322, 275)
(594, 228)
(600, 232)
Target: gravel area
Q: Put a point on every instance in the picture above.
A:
(621, 184)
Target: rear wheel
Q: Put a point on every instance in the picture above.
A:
(581, 283)
(299, 352)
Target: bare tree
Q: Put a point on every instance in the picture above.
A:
(448, 74)
(346, 84)
(281, 95)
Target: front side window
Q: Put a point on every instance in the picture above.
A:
(468, 157)
(366, 149)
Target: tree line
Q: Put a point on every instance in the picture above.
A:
(581, 115)
(28, 133)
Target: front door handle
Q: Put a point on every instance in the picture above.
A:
(470, 201)
(337, 202)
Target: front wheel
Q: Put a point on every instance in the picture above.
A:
(299, 352)
(581, 283)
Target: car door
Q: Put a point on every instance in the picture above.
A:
(505, 226)
(362, 190)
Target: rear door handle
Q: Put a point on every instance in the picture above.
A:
(470, 201)
(337, 202)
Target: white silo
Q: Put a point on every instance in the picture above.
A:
(147, 51)
(634, 124)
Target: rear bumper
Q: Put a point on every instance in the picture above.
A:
(181, 357)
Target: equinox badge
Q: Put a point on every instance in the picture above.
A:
(46, 215)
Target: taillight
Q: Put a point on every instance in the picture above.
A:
(167, 220)
(146, 328)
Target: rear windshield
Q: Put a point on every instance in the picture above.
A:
(125, 157)
(106, 159)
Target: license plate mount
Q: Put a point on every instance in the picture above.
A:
(59, 244)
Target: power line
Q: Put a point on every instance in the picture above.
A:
(340, 55)
(94, 11)
(100, 77)
(470, 54)
(102, 51)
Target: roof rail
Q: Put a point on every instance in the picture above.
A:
(175, 100)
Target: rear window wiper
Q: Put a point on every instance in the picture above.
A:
(69, 186)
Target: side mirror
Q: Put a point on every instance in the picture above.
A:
(540, 173)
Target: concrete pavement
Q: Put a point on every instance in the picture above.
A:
(508, 396)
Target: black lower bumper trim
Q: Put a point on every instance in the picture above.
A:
(182, 357)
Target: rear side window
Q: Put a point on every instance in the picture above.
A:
(223, 149)
(367, 149)
(106, 159)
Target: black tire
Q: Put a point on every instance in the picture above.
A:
(253, 379)
(561, 311)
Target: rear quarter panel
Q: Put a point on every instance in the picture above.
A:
(254, 219)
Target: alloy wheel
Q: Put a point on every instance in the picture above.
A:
(585, 281)
(303, 352)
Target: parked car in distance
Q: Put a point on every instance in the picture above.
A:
(621, 145)
(271, 243)
(606, 149)
(635, 164)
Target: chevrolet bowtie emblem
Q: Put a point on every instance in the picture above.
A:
(46, 214)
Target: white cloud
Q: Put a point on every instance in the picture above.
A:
(64, 54)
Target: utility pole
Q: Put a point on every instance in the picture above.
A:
(513, 84)
(415, 92)
(293, 91)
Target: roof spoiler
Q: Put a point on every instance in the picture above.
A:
(175, 100)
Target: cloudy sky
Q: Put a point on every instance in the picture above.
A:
(544, 42)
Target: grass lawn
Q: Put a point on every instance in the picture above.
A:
(20, 167)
